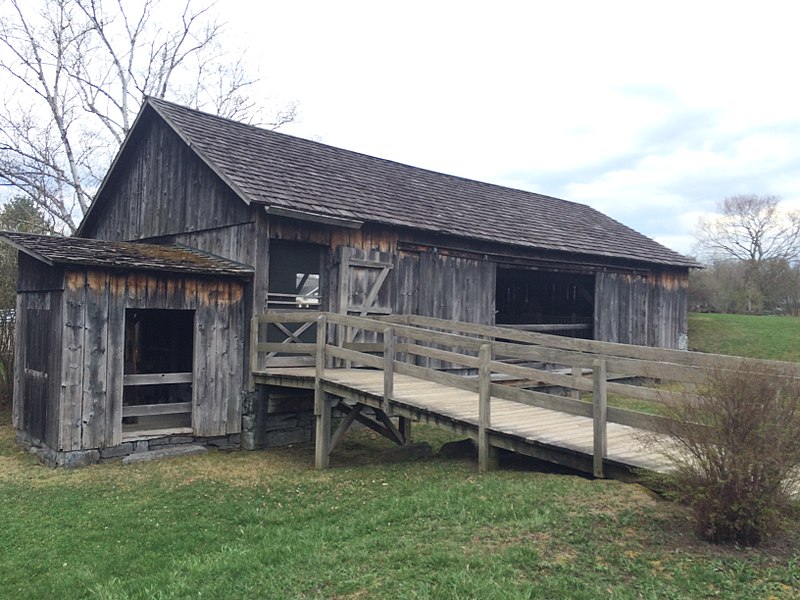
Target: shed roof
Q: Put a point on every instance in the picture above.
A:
(123, 255)
(302, 178)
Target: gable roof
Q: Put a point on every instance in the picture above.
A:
(122, 255)
(299, 177)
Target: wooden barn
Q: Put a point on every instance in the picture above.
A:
(322, 228)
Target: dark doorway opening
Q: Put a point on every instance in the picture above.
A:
(159, 350)
(546, 301)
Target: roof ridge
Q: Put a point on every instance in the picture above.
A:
(326, 145)
(288, 172)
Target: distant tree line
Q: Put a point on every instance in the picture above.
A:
(751, 254)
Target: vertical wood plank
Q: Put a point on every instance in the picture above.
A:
(404, 425)
(322, 406)
(237, 358)
(95, 362)
(486, 457)
(388, 367)
(74, 307)
(577, 373)
(20, 351)
(115, 359)
(204, 388)
(54, 353)
(599, 412)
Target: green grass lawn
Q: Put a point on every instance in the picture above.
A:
(774, 338)
(266, 525)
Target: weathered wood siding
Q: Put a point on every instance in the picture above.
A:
(647, 309)
(93, 351)
(159, 186)
(621, 308)
(454, 288)
(668, 322)
(37, 365)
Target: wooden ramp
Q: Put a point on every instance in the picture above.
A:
(535, 394)
(538, 432)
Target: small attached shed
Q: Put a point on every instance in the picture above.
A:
(124, 344)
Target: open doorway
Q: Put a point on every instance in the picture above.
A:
(551, 302)
(157, 393)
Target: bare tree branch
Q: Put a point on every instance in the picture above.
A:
(78, 71)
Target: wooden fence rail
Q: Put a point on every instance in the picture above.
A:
(530, 368)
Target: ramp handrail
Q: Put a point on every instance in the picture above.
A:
(479, 352)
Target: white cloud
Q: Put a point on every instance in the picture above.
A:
(649, 112)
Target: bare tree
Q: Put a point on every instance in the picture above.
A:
(752, 229)
(753, 237)
(79, 71)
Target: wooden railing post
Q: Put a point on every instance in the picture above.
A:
(486, 456)
(599, 412)
(388, 367)
(577, 373)
(322, 406)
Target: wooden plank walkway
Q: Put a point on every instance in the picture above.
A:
(546, 434)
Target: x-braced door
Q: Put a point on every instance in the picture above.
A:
(364, 285)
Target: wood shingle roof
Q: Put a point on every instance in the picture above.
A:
(285, 172)
(123, 255)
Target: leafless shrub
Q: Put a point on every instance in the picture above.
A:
(738, 451)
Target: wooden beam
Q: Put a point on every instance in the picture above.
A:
(156, 379)
(364, 420)
(600, 408)
(152, 410)
(322, 404)
(486, 457)
(338, 436)
(388, 367)
(395, 434)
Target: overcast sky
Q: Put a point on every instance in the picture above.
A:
(649, 112)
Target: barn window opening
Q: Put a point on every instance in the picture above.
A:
(295, 283)
(157, 380)
(551, 302)
(294, 276)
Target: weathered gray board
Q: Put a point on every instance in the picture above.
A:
(643, 309)
(37, 381)
(83, 352)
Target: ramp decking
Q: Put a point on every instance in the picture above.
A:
(517, 390)
(546, 434)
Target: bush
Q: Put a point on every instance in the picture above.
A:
(738, 452)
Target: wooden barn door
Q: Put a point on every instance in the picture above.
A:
(364, 286)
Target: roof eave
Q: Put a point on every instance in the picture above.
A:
(26, 250)
(208, 162)
(279, 211)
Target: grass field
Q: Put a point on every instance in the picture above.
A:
(775, 338)
(266, 525)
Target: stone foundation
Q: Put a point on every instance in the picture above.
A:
(275, 417)
(80, 458)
